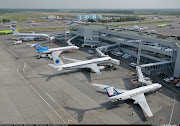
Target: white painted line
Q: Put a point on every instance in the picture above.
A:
(31, 85)
(24, 68)
(173, 106)
(171, 87)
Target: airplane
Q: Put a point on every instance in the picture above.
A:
(13, 23)
(47, 50)
(33, 24)
(28, 36)
(135, 27)
(135, 94)
(70, 22)
(162, 25)
(8, 31)
(92, 64)
(30, 21)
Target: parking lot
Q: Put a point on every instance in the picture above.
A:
(33, 92)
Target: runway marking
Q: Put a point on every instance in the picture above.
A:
(24, 67)
(31, 85)
(174, 99)
(173, 106)
(54, 101)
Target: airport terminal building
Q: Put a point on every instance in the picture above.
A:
(157, 52)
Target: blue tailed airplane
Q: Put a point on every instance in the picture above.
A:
(47, 50)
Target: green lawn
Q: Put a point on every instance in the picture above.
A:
(43, 29)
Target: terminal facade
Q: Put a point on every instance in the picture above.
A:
(157, 52)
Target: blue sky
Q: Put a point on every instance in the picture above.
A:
(89, 4)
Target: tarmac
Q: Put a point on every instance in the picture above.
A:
(32, 92)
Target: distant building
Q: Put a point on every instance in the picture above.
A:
(161, 51)
(79, 17)
(53, 17)
(85, 17)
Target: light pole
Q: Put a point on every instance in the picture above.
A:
(139, 49)
(65, 29)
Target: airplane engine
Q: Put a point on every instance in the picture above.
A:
(135, 102)
(101, 67)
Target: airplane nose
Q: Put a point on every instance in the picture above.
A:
(160, 85)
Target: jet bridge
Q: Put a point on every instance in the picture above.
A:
(69, 40)
(101, 54)
(142, 80)
(147, 68)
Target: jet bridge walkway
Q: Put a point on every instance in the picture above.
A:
(69, 40)
(147, 68)
(142, 80)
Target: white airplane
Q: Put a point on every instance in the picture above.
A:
(33, 24)
(47, 50)
(135, 94)
(135, 27)
(92, 64)
(29, 36)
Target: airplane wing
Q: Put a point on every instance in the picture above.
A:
(31, 45)
(74, 60)
(141, 100)
(101, 86)
(93, 67)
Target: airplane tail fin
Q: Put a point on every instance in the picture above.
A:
(40, 49)
(17, 28)
(56, 59)
(32, 45)
(110, 89)
(15, 32)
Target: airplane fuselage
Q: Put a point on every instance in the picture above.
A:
(137, 91)
(59, 49)
(32, 35)
(81, 64)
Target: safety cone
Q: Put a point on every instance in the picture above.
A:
(161, 119)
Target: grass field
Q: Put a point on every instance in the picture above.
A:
(43, 29)
(20, 17)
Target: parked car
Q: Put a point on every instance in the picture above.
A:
(126, 56)
(118, 53)
(178, 85)
(171, 78)
(167, 80)
(133, 64)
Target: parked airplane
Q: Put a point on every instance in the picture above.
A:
(162, 25)
(29, 36)
(92, 64)
(8, 31)
(135, 27)
(47, 50)
(70, 22)
(135, 94)
(30, 21)
(33, 24)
